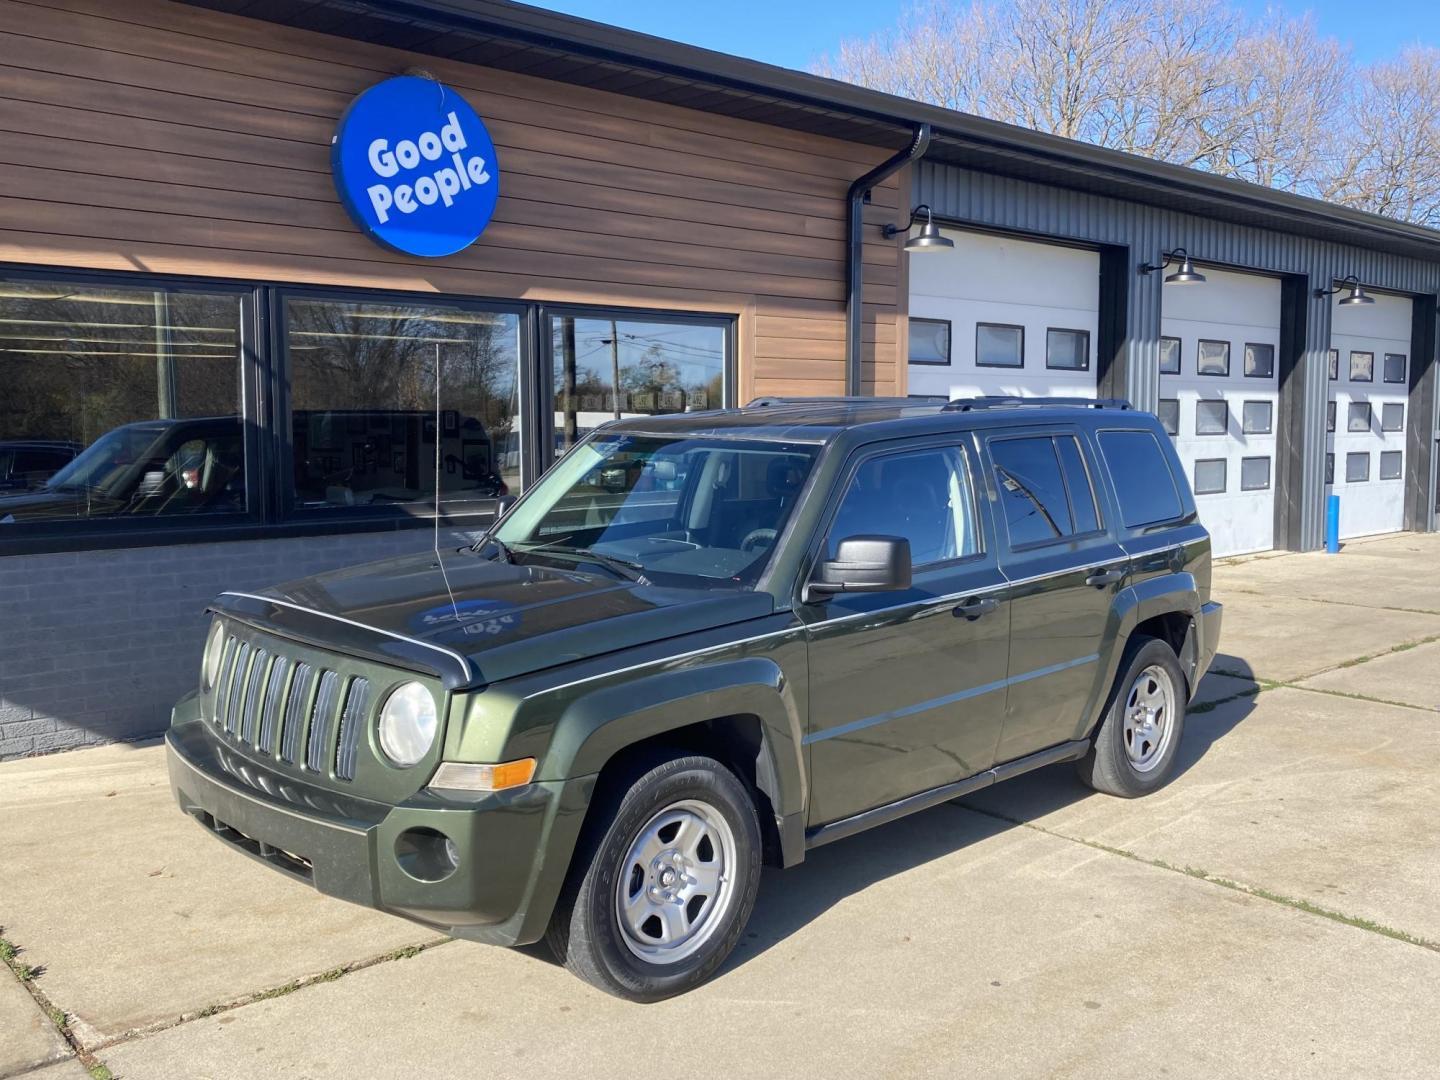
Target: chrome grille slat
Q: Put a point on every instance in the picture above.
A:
(221, 690)
(322, 721)
(237, 687)
(296, 710)
(352, 722)
(274, 701)
(250, 711)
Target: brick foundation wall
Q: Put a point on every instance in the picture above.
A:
(96, 646)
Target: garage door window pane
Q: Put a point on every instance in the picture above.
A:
(998, 345)
(1032, 490)
(608, 368)
(1357, 468)
(1362, 367)
(1391, 465)
(1329, 468)
(1334, 364)
(1067, 350)
(1260, 361)
(1258, 417)
(1330, 416)
(119, 403)
(1254, 473)
(1395, 367)
(1169, 414)
(1211, 417)
(1144, 485)
(1210, 476)
(1213, 358)
(1169, 356)
(1359, 417)
(363, 404)
(930, 342)
(1392, 417)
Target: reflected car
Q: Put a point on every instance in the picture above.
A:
(28, 463)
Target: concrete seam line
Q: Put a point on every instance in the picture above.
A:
(1363, 697)
(405, 952)
(1333, 603)
(26, 976)
(1355, 921)
(1403, 646)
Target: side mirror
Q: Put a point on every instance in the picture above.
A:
(862, 564)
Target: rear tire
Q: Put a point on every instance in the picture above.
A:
(1136, 747)
(661, 892)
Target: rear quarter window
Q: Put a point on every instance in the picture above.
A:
(1144, 485)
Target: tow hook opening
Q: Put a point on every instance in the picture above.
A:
(427, 854)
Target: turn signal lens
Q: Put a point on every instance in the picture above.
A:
(455, 776)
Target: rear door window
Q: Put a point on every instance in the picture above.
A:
(1144, 485)
(1032, 489)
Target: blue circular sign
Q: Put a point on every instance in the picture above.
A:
(415, 167)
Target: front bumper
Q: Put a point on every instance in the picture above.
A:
(514, 846)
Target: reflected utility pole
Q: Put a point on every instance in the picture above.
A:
(615, 364)
(165, 389)
(567, 381)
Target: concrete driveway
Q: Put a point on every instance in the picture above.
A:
(1273, 912)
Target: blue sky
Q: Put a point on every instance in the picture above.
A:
(794, 32)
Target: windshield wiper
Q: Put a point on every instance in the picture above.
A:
(506, 555)
(625, 568)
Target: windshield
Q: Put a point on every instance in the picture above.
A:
(702, 512)
(106, 461)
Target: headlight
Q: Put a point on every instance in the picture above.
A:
(214, 648)
(407, 724)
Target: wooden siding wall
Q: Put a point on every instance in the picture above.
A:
(144, 135)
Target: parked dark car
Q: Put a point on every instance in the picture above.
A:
(27, 463)
(703, 642)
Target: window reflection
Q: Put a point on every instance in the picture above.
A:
(365, 418)
(118, 402)
(610, 368)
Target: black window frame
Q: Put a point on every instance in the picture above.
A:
(1269, 428)
(1333, 356)
(1084, 338)
(1351, 454)
(1329, 468)
(1000, 326)
(1386, 407)
(1199, 347)
(1245, 363)
(1404, 368)
(264, 405)
(1224, 404)
(1332, 410)
(1362, 352)
(1224, 488)
(1269, 471)
(1391, 454)
(949, 325)
(1369, 425)
(1171, 401)
(1179, 355)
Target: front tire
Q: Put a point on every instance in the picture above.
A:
(660, 896)
(1135, 750)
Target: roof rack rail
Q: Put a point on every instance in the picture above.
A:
(862, 399)
(997, 401)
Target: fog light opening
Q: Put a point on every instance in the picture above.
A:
(426, 854)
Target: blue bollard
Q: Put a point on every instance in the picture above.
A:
(1332, 525)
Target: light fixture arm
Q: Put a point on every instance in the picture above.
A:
(1179, 255)
(891, 231)
(1349, 281)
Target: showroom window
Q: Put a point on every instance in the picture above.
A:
(1359, 416)
(125, 401)
(1357, 468)
(1169, 356)
(1254, 474)
(1212, 417)
(999, 345)
(1169, 414)
(1210, 476)
(1067, 350)
(1394, 367)
(1213, 358)
(930, 342)
(1143, 483)
(1392, 416)
(610, 365)
(1362, 367)
(384, 395)
(1259, 361)
(1257, 417)
(1391, 465)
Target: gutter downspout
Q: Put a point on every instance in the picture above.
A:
(856, 198)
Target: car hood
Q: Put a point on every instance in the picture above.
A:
(510, 620)
(43, 503)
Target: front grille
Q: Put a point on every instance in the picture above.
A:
(287, 708)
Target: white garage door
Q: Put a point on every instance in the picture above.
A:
(996, 315)
(1365, 447)
(1219, 399)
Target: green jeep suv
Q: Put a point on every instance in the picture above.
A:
(701, 643)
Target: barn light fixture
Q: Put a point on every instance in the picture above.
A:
(1185, 275)
(1357, 295)
(929, 238)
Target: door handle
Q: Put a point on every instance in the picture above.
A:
(976, 606)
(1101, 578)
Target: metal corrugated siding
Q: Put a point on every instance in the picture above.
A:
(990, 201)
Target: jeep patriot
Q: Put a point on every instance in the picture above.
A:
(701, 643)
